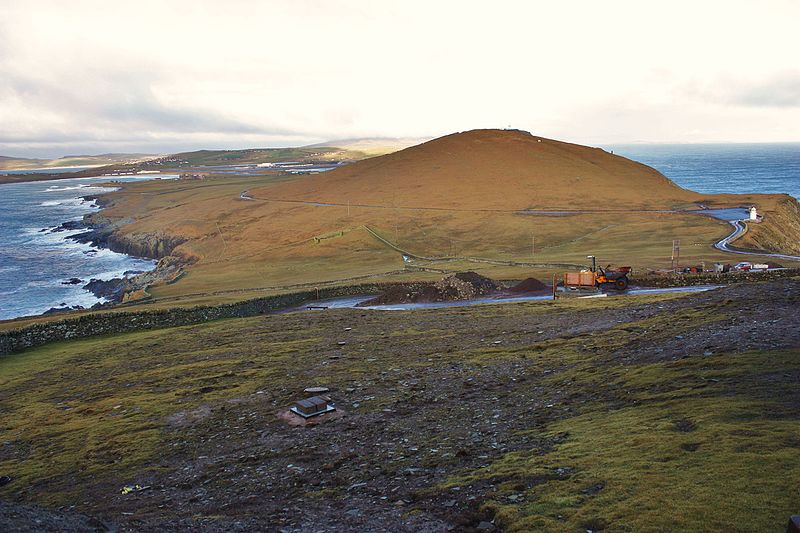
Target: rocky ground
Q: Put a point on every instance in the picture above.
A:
(425, 399)
(459, 286)
(21, 518)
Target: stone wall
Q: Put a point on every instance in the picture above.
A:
(126, 321)
(710, 278)
(89, 325)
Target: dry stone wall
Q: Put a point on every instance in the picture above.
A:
(710, 278)
(126, 321)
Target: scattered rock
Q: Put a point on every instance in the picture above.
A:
(594, 489)
(63, 309)
(460, 286)
(112, 289)
(71, 225)
(685, 426)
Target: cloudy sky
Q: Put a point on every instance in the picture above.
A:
(140, 76)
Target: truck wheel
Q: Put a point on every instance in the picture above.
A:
(621, 284)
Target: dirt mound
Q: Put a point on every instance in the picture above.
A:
(460, 286)
(463, 286)
(529, 285)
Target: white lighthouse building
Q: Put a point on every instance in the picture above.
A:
(753, 213)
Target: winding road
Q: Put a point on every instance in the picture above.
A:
(738, 229)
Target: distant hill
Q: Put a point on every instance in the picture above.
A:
(344, 150)
(493, 169)
(21, 163)
(372, 146)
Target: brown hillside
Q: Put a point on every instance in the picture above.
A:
(491, 169)
(475, 186)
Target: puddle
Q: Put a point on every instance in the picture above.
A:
(351, 302)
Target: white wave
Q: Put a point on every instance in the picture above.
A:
(68, 202)
(42, 283)
(55, 188)
(77, 296)
(45, 237)
(120, 272)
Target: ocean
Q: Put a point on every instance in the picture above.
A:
(34, 264)
(722, 168)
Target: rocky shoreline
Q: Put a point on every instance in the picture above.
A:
(100, 232)
(104, 233)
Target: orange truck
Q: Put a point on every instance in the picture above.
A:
(598, 277)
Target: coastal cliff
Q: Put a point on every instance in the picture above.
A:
(778, 233)
(105, 233)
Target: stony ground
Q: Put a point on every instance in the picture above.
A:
(433, 405)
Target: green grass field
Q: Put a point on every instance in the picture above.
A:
(633, 442)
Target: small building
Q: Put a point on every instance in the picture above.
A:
(313, 406)
(753, 213)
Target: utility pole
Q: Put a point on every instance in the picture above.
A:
(676, 254)
(533, 245)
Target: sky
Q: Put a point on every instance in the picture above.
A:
(83, 77)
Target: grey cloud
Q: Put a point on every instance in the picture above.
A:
(118, 102)
(783, 91)
(778, 91)
(117, 112)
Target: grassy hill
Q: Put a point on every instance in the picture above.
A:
(18, 163)
(253, 156)
(494, 169)
(459, 202)
(345, 150)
